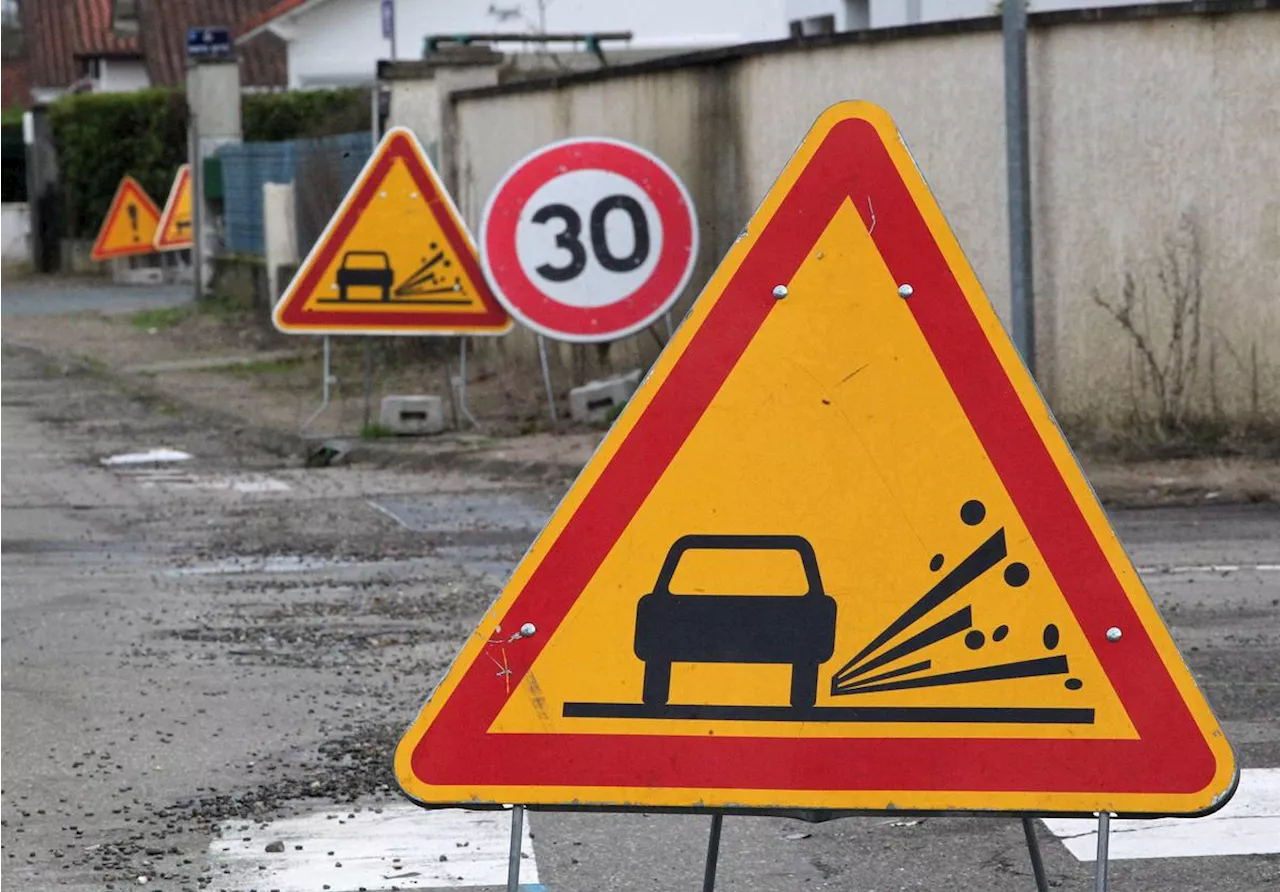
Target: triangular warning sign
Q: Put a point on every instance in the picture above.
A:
(395, 259)
(174, 231)
(834, 555)
(130, 224)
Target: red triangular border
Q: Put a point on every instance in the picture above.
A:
(170, 209)
(396, 145)
(1170, 755)
(127, 185)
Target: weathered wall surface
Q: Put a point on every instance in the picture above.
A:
(15, 232)
(1154, 149)
(1150, 138)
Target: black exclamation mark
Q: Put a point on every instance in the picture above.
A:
(133, 220)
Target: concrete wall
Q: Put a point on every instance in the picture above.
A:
(1153, 146)
(1154, 152)
(15, 232)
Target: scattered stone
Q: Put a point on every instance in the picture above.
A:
(276, 847)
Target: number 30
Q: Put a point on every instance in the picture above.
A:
(569, 237)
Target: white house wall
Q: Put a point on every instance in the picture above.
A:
(339, 42)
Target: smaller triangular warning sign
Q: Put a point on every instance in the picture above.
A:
(395, 259)
(175, 229)
(130, 225)
(834, 555)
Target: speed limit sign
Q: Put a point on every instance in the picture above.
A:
(589, 239)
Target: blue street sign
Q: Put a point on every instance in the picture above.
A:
(203, 43)
(389, 19)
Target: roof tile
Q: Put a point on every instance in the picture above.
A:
(164, 28)
(15, 93)
(271, 14)
(58, 32)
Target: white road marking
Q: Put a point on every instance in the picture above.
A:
(1211, 568)
(400, 847)
(286, 563)
(171, 478)
(1247, 825)
(150, 457)
(282, 563)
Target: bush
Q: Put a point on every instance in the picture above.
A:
(14, 160)
(272, 117)
(100, 137)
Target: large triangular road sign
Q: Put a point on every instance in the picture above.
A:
(130, 224)
(835, 554)
(395, 259)
(174, 231)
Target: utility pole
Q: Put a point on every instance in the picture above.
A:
(1018, 166)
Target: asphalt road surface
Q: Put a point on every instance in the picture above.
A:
(208, 661)
(45, 295)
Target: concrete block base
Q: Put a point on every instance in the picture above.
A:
(417, 414)
(598, 401)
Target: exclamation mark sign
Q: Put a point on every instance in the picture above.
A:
(133, 220)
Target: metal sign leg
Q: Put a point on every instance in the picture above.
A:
(1104, 839)
(328, 380)
(513, 860)
(713, 854)
(546, 379)
(1033, 849)
(368, 380)
(463, 409)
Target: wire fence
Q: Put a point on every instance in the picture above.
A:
(321, 169)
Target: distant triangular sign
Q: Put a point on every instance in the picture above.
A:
(396, 258)
(174, 231)
(834, 555)
(130, 224)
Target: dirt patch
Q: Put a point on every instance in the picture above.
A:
(259, 383)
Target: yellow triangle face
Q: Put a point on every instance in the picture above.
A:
(834, 555)
(130, 224)
(175, 230)
(808, 436)
(395, 259)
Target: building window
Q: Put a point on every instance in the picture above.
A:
(818, 24)
(91, 67)
(857, 14)
(11, 26)
(124, 16)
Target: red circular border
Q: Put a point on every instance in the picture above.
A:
(527, 301)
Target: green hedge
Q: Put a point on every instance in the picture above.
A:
(13, 157)
(272, 117)
(100, 137)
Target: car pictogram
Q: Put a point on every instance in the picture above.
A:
(369, 269)
(799, 630)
